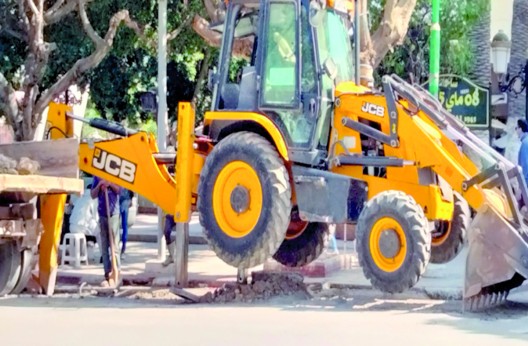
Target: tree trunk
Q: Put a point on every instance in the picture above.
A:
(516, 105)
(480, 42)
(204, 69)
(480, 72)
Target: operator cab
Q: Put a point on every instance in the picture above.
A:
(293, 67)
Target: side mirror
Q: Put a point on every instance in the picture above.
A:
(149, 101)
(317, 13)
(330, 68)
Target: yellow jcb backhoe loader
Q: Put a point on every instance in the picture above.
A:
(294, 144)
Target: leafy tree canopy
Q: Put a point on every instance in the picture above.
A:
(411, 60)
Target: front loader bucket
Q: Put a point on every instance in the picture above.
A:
(497, 259)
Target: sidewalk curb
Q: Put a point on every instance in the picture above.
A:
(153, 281)
(153, 238)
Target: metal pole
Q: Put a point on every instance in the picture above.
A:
(162, 103)
(434, 51)
(357, 42)
(181, 255)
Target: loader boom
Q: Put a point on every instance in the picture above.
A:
(424, 136)
(134, 162)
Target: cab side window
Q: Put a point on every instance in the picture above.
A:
(279, 75)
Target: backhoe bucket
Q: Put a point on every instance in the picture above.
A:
(497, 259)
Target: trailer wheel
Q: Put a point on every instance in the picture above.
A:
(449, 238)
(393, 241)
(10, 267)
(244, 200)
(25, 271)
(303, 247)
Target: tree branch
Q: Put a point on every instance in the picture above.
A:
(22, 14)
(87, 26)
(241, 47)
(211, 9)
(13, 33)
(8, 100)
(393, 28)
(56, 13)
(55, 6)
(204, 69)
(33, 8)
(179, 29)
(91, 61)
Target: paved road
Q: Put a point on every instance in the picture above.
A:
(355, 318)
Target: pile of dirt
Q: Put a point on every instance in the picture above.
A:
(24, 166)
(263, 286)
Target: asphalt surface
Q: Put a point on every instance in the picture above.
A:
(331, 317)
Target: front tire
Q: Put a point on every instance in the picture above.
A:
(244, 200)
(393, 241)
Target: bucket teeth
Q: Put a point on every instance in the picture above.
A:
(485, 301)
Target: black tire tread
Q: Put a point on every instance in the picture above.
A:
(419, 238)
(10, 267)
(304, 249)
(454, 244)
(276, 229)
(25, 273)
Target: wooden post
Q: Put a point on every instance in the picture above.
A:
(181, 255)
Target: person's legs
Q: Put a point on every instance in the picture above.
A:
(116, 230)
(167, 230)
(104, 246)
(124, 226)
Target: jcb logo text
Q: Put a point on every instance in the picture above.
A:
(114, 165)
(373, 109)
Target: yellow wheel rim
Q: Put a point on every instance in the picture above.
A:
(295, 229)
(388, 244)
(437, 241)
(237, 199)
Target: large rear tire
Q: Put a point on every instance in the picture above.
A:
(449, 237)
(305, 247)
(25, 271)
(393, 241)
(244, 200)
(10, 267)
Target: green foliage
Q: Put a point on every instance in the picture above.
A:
(411, 60)
(12, 49)
(150, 127)
(88, 131)
(131, 66)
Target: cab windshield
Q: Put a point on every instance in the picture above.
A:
(333, 41)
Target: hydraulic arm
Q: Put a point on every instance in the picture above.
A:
(425, 136)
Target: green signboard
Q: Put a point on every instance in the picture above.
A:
(464, 99)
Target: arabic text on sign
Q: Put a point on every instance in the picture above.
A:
(468, 100)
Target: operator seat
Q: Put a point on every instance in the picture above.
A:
(247, 98)
(230, 93)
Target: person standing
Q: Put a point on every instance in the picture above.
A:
(522, 132)
(167, 230)
(125, 199)
(99, 190)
